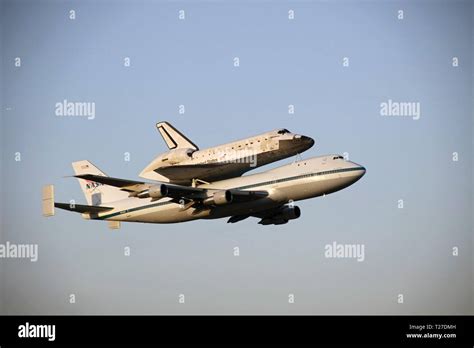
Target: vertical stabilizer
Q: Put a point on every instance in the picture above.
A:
(173, 138)
(96, 193)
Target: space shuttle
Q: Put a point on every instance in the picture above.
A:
(186, 164)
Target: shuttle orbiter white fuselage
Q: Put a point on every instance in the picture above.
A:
(184, 162)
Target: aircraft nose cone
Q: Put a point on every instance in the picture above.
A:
(361, 172)
(307, 140)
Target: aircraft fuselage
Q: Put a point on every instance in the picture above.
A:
(300, 180)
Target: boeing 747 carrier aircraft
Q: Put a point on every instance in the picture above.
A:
(269, 195)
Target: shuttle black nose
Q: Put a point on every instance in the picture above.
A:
(307, 140)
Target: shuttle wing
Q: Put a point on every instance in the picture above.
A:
(205, 170)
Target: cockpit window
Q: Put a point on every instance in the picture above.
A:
(283, 131)
(337, 157)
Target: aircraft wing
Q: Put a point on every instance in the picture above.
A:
(123, 184)
(198, 195)
(173, 191)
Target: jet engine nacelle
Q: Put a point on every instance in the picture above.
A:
(177, 156)
(219, 198)
(157, 192)
(290, 213)
(285, 214)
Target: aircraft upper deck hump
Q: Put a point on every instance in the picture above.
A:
(173, 138)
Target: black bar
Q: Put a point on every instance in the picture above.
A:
(243, 329)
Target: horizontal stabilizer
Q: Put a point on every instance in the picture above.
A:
(48, 200)
(79, 208)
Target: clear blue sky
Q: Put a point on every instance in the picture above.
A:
(282, 62)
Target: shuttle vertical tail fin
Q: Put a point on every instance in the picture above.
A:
(173, 138)
(96, 193)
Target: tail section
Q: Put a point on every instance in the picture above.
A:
(96, 193)
(173, 138)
